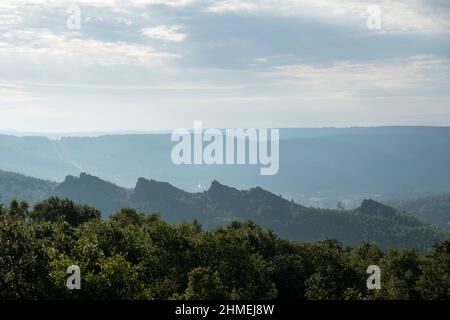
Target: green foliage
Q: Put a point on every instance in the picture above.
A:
(19, 209)
(401, 271)
(333, 274)
(136, 256)
(204, 284)
(434, 281)
(23, 260)
(56, 209)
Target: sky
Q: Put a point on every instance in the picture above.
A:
(150, 65)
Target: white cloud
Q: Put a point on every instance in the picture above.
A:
(233, 6)
(7, 19)
(397, 15)
(14, 93)
(45, 59)
(36, 112)
(69, 48)
(94, 3)
(172, 3)
(169, 33)
(350, 78)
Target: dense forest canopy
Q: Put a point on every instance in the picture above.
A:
(131, 255)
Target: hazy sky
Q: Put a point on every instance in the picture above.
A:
(159, 64)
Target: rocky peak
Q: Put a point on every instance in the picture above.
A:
(372, 207)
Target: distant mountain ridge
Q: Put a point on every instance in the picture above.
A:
(221, 204)
(317, 166)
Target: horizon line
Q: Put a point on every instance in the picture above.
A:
(87, 134)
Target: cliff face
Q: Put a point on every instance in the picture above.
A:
(95, 192)
(371, 207)
(152, 191)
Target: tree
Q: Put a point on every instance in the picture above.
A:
(290, 273)
(204, 284)
(333, 274)
(136, 256)
(56, 209)
(23, 261)
(434, 282)
(400, 271)
(19, 209)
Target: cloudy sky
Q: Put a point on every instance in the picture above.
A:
(145, 65)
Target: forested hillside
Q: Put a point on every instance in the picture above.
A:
(433, 209)
(135, 256)
(14, 185)
(220, 204)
